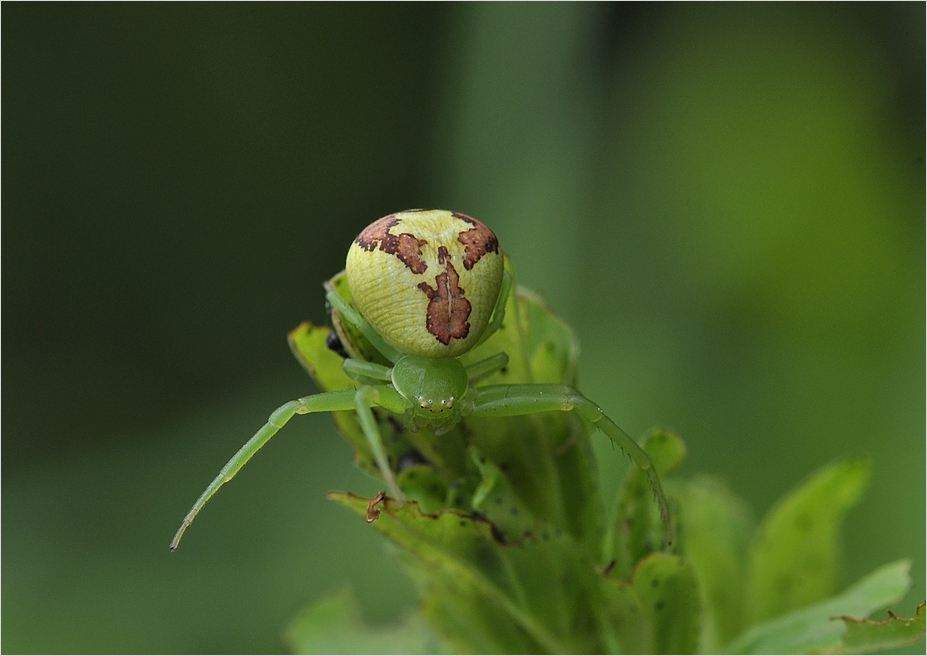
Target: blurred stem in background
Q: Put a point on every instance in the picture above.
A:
(514, 139)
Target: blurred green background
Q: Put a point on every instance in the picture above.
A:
(726, 201)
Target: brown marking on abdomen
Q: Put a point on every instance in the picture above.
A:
(477, 241)
(406, 247)
(448, 308)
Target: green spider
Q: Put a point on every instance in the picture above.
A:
(427, 286)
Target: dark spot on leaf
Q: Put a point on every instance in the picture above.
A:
(497, 535)
(655, 583)
(513, 511)
(659, 605)
(498, 501)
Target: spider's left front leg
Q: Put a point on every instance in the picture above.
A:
(515, 400)
(371, 394)
(386, 397)
(324, 402)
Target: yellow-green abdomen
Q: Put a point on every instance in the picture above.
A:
(426, 280)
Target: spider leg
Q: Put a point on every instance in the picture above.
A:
(369, 394)
(384, 396)
(483, 368)
(498, 312)
(364, 372)
(349, 314)
(512, 400)
(325, 402)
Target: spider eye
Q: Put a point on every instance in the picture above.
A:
(431, 406)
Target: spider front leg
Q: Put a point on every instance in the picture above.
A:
(354, 317)
(387, 397)
(514, 400)
(324, 402)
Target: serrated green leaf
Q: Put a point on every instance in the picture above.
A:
(794, 557)
(668, 589)
(462, 562)
(333, 625)
(867, 636)
(539, 595)
(715, 528)
(815, 628)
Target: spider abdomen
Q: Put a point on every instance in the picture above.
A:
(426, 280)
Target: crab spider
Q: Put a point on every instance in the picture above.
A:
(427, 286)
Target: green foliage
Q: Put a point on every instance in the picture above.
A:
(895, 632)
(793, 559)
(507, 542)
(334, 626)
(816, 628)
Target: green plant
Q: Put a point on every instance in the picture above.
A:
(503, 529)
